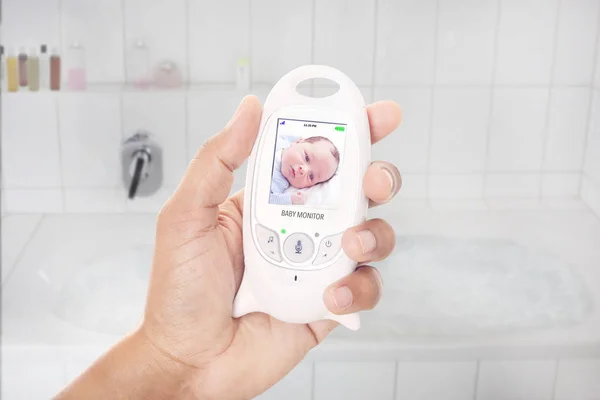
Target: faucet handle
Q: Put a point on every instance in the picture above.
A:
(141, 158)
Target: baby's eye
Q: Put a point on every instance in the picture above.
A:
(306, 157)
(311, 176)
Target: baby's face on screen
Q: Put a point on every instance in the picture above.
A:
(305, 164)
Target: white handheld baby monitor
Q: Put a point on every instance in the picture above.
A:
(303, 190)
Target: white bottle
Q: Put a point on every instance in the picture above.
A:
(243, 75)
(44, 68)
(138, 71)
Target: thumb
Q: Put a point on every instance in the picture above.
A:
(208, 179)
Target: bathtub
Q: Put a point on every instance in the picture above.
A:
(78, 284)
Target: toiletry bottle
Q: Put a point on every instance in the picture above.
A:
(76, 79)
(55, 67)
(2, 68)
(12, 71)
(138, 71)
(243, 75)
(44, 68)
(23, 70)
(33, 65)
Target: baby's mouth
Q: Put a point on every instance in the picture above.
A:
(292, 171)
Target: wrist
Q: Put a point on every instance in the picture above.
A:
(134, 368)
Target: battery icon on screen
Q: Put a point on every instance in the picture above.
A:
(340, 128)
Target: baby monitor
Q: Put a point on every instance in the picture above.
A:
(303, 190)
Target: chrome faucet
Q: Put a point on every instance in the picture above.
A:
(141, 158)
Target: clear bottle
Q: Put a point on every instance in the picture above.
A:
(12, 71)
(243, 75)
(33, 70)
(138, 72)
(23, 70)
(55, 69)
(76, 79)
(44, 67)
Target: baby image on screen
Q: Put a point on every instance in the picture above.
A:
(301, 163)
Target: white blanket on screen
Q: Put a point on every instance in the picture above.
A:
(322, 194)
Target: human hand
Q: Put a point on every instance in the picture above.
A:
(298, 198)
(188, 344)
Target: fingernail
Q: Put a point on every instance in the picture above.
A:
(392, 179)
(342, 297)
(367, 240)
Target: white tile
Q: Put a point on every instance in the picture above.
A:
(592, 155)
(567, 126)
(464, 186)
(100, 31)
(502, 204)
(407, 146)
(517, 129)
(218, 38)
(499, 380)
(344, 31)
(209, 111)
(32, 375)
(30, 156)
(30, 23)
(460, 128)
(90, 130)
(33, 200)
(320, 91)
(458, 205)
(162, 114)
(563, 203)
(405, 49)
(434, 381)
(590, 193)
(354, 380)
(162, 26)
(466, 40)
(560, 185)
(597, 69)
(577, 27)
(512, 185)
(578, 380)
(95, 200)
(151, 204)
(281, 37)
(525, 44)
(297, 385)
(16, 232)
(414, 186)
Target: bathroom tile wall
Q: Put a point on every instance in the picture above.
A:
(565, 379)
(496, 103)
(590, 178)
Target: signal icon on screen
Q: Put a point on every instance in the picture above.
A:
(282, 123)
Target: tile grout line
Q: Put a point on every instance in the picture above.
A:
(556, 364)
(375, 38)
(476, 383)
(545, 133)
(432, 107)
(312, 379)
(493, 86)
(252, 83)
(188, 69)
(22, 252)
(396, 368)
(313, 30)
(123, 137)
(592, 96)
(124, 34)
(63, 188)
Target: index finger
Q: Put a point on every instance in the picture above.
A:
(384, 117)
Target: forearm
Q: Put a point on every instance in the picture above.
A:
(133, 369)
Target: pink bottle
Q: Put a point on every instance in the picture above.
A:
(76, 76)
